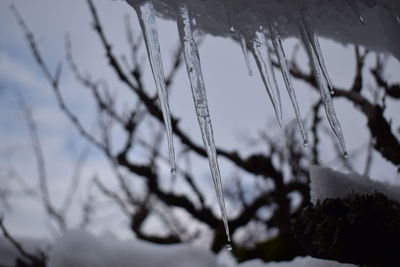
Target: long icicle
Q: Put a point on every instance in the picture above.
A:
(324, 90)
(193, 66)
(280, 53)
(147, 19)
(275, 87)
(245, 51)
(306, 25)
(263, 69)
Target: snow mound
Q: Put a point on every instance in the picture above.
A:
(8, 252)
(298, 262)
(80, 248)
(327, 183)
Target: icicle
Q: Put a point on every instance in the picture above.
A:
(325, 94)
(246, 54)
(147, 19)
(228, 12)
(275, 86)
(200, 101)
(396, 16)
(356, 10)
(280, 53)
(264, 69)
(313, 40)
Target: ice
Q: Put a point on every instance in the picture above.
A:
(313, 40)
(147, 19)
(193, 66)
(356, 10)
(332, 19)
(391, 8)
(327, 183)
(246, 54)
(275, 86)
(264, 67)
(280, 53)
(325, 93)
(83, 249)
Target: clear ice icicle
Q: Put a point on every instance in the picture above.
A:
(280, 53)
(193, 66)
(309, 33)
(356, 10)
(275, 86)
(264, 69)
(147, 19)
(246, 54)
(325, 94)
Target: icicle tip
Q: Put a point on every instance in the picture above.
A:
(228, 247)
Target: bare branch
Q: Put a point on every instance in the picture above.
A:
(40, 162)
(39, 261)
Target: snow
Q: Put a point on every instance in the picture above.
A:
(327, 183)
(82, 249)
(335, 19)
(148, 24)
(323, 81)
(297, 262)
(8, 253)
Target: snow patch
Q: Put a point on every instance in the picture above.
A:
(297, 262)
(327, 183)
(80, 248)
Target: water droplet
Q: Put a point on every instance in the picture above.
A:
(332, 92)
(173, 171)
(228, 247)
(345, 155)
(305, 144)
(232, 29)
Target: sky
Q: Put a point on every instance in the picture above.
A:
(238, 103)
